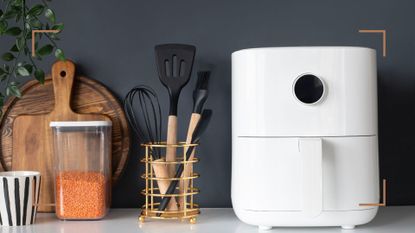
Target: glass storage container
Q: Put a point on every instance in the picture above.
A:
(82, 152)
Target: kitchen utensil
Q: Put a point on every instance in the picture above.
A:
(88, 96)
(82, 152)
(199, 130)
(148, 122)
(145, 118)
(19, 197)
(32, 137)
(174, 65)
(200, 95)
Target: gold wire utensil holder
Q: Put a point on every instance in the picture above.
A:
(155, 183)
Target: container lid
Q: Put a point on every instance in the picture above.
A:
(79, 123)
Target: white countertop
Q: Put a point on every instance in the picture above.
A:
(389, 220)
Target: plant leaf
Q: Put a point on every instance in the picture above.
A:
(20, 42)
(40, 76)
(8, 56)
(14, 48)
(29, 68)
(2, 71)
(18, 2)
(50, 15)
(58, 26)
(36, 10)
(60, 55)
(3, 26)
(35, 23)
(45, 50)
(22, 71)
(16, 91)
(28, 27)
(14, 31)
(9, 14)
(12, 89)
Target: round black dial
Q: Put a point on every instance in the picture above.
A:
(309, 89)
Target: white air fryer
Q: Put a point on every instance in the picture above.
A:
(304, 136)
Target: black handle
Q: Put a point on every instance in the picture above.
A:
(199, 99)
(173, 184)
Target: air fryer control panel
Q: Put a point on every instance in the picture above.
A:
(309, 89)
(312, 91)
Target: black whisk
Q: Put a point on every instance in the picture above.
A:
(144, 115)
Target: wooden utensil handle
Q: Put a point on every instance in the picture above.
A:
(194, 120)
(171, 151)
(171, 139)
(160, 171)
(63, 73)
(188, 169)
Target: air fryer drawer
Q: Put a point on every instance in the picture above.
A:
(268, 173)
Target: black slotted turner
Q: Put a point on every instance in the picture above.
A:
(174, 65)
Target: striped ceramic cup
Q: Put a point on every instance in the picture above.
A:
(19, 197)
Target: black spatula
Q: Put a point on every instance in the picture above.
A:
(174, 65)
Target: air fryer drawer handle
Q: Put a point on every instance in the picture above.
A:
(312, 175)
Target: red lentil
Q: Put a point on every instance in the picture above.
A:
(81, 195)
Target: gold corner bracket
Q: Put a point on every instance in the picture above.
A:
(383, 203)
(383, 32)
(33, 38)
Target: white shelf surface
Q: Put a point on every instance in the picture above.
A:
(389, 219)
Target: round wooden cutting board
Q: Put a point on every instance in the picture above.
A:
(88, 96)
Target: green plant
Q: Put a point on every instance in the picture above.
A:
(17, 20)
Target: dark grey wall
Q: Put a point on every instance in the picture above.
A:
(112, 41)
